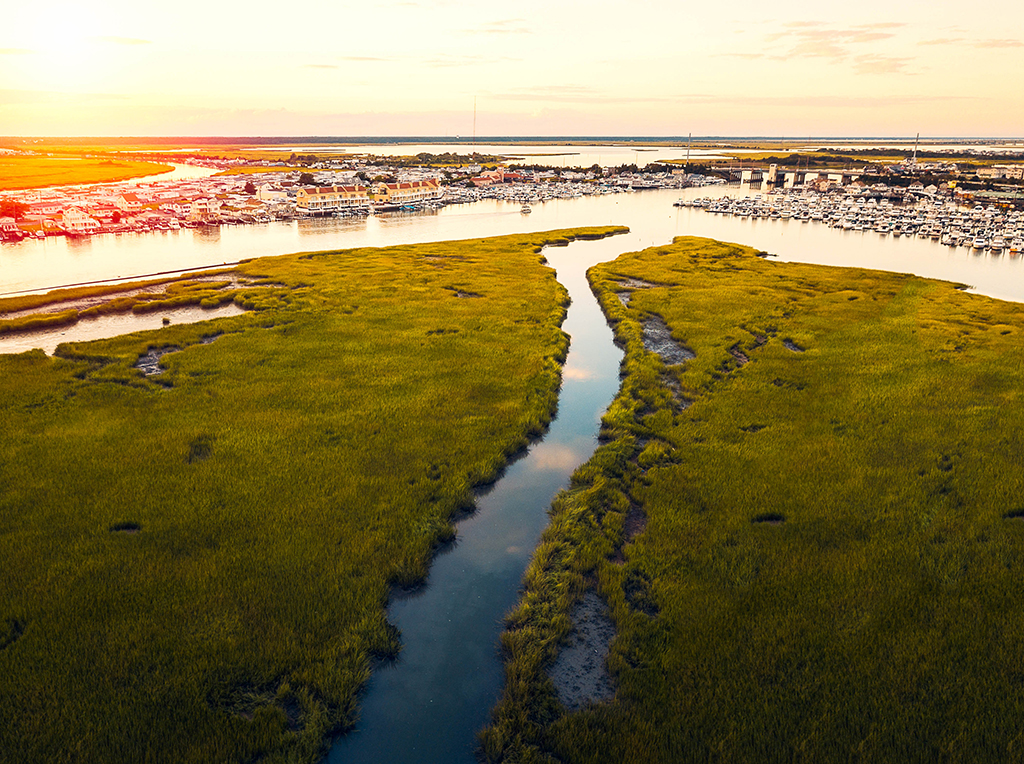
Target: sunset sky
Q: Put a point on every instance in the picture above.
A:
(781, 68)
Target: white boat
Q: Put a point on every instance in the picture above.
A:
(1017, 245)
(980, 242)
(525, 209)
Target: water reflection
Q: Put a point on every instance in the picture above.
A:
(34, 264)
(428, 706)
(111, 326)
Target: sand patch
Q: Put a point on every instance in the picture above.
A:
(580, 672)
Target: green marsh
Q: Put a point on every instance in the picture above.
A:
(808, 534)
(195, 565)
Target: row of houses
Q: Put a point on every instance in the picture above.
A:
(319, 200)
(999, 171)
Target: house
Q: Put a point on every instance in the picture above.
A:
(269, 193)
(489, 178)
(203, 208)
(38, 209)
(9, 230)
(1010, 172)
(128, 202)
(179, 207)
(75, 220)
(319, 200)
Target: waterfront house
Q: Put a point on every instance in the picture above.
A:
(203, 208)
(74, 220)
(319, 200)
(9, 230)
(406, 193)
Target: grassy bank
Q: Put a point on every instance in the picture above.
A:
(809, 535)
(64, 307)
(195, 565)
(19, 172)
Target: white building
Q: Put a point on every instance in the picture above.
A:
(203, 208)
(129, 202)
(269, 193)
(75, 220)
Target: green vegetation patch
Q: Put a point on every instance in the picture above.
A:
(195, 566)
(37, 170)
(813, 553)
(66, 306)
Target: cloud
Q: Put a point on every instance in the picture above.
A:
(113, 40)
(21, 97)
(837, 45)
(508, 26)
(573, 94)
(820, 102)
(977, 43)
(999, 44)
(875, 64)
(444, 62)
(817, 35)
(320, 66)
(14, 51)
(364, 58)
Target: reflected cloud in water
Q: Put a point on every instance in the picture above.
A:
(576, 372)
(557, 457)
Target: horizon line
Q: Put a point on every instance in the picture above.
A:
(500, 138)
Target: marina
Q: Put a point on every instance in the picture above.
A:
(779, 224)
(984, 229)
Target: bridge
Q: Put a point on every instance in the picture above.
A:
(774, 176)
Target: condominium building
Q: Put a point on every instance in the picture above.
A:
(319, 200)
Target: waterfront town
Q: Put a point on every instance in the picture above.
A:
(241, 191)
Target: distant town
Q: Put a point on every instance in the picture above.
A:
(248, 191)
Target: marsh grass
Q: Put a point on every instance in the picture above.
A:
(282, 479)
(64, 307)
(38, 170)
(883, 620)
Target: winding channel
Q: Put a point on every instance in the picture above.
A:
(428, 705)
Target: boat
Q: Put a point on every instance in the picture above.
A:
(525, 209)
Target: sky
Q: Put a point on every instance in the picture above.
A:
(455, 68)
